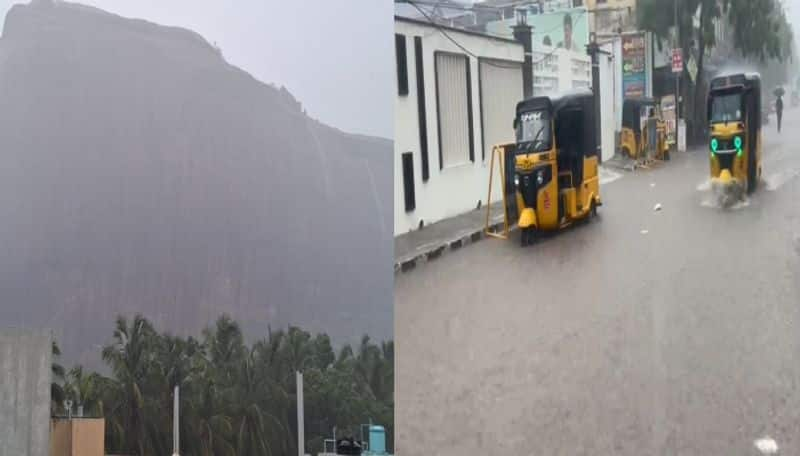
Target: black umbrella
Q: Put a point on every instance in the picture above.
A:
(779, 91)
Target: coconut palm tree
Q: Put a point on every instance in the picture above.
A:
(85, 389)
(235, 399)
(56, 386)
(129, 356)
(205, 428)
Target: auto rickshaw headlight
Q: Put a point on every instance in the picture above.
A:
(516, 180)
(540, 177)
(737, 142)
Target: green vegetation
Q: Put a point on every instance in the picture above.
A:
(236, 399)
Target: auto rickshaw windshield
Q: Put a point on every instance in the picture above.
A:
(726, 108)
(533, 129)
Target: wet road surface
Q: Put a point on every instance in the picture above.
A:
(672, 332)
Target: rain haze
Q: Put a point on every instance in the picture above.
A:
(201, 161)
(289, 43)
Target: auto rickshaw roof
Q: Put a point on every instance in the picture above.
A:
(573, 100)
(577, 98)
(631, 115)
(727, 81)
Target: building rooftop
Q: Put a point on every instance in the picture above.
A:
(427, 23)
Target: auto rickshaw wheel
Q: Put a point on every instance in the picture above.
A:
(527, 236)
(752, 178)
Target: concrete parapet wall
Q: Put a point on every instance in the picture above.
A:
(25, 377)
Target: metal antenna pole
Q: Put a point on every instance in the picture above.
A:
(677, 79)
(300, 423)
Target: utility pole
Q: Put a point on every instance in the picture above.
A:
(176, 441)
(522, 34)
(677, 79)
(301, 445)
(593, 50)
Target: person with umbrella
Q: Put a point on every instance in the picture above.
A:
(779, 106)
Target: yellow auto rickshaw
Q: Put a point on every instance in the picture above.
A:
(635, 112)
(734, 119)
(555, 178)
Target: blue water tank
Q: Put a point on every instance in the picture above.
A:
(377, 440)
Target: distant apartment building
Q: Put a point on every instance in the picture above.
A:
(559, 38)
(612, 16)
(604, 16)
(507, 8)
(475, 16)
(557, 70)
(449, 13)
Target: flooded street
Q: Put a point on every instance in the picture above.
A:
(671, 331)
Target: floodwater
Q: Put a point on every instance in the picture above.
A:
(645, 332)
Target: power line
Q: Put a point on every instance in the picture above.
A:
(454, 5)
(478, 6)
(467, 51)
(459, 45)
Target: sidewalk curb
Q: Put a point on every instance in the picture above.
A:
(435, 251)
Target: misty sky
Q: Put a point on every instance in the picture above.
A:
(336, 57)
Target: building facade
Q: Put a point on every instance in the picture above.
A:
(559, 37)
(612, 16)
(557, 70)
(456, 92)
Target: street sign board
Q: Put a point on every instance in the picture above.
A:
(677, 61)
(668, 113)
(634, 81)
(691, 67)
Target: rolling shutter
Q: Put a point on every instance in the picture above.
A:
(453, 96)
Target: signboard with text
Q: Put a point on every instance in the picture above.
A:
(634, 77)
(691, 67)
(677, 61)
(668, 113)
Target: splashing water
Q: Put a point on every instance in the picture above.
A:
(731, 197)
(776, 181)
(714, 203)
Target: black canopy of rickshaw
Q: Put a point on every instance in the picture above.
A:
(731, 80)
(563, 109)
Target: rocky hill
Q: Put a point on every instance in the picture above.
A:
(141, 172)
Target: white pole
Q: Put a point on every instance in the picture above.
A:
(175, 423)
(678, 78)
(300, 423)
